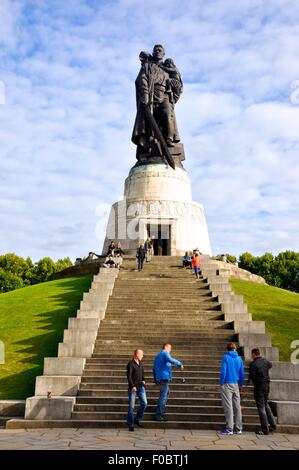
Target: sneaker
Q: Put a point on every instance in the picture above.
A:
(160, 418)
(138, 423)
(272, 428)
(237, 431)
(131, 429)
(226, 432)
(262, 433)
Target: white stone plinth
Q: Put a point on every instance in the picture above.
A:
(158, 196)
(157, 182)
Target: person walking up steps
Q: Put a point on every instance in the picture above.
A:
(162, 376)
(259, 375)
(232, 381)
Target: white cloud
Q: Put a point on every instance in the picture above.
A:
(69, 71)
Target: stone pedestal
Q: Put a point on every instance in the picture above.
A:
(158, 202)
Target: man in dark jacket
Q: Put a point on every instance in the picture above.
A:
(136, 383)
(259, 375)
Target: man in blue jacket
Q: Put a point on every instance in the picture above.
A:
(162, 376)
(232, 381)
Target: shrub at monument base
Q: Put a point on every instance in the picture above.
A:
(279, 308)
(32, 321)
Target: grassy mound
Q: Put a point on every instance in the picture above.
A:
(279, 308)
(32, 321)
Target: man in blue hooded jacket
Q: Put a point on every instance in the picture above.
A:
(232, 381)
(162, 376)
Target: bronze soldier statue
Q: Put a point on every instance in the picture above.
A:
(158, 88)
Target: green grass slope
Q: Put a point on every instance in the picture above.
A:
(32, 321)
(279, 308)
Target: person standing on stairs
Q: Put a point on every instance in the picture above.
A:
(136, 388)
(140, 255)
(162, 376)
(196, 265)
(232, 381)
(152, 251)
(160, 247)
(147, 248)
(259, 375)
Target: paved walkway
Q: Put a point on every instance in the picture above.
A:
(152, 439)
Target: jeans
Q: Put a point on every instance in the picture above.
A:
(261, 394)
(140, 263)
(143, 404)
(230, 395)
(163, 397)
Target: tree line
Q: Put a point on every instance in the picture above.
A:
(17, 272)
(280, 271)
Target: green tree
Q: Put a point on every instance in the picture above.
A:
(264, 266)
(22, 272)
(231, 258)
(63, 264)
(44, 268)
(9, 281)
(280, 271)
(14, 264)
(286, 270)
(248, 261)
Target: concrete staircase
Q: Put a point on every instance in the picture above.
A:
(125, 310)
(161, 303)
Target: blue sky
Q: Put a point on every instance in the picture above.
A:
(68, 70)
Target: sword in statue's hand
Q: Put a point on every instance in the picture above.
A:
(158, 134)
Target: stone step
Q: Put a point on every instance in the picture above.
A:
(170, 318)
(115, 369)
(185, 298)
(187, 373)
(193, 364)
(190, 358)
(98, 379)
(123, 392)
(152, 347)
(184, 417)
(198, 334)
(185, 401)
(166, 310)
(147, 424)
(176, 386)
(171, 409)
(184, 356)
(179, 321)
(190, 409)
(178, 343)
(201, 334)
